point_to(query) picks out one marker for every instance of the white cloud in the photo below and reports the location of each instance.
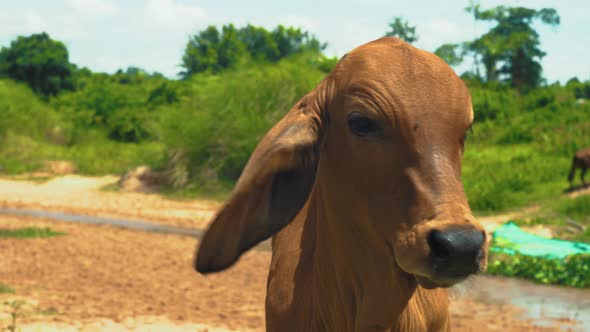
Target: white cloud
(33, 22)
(345, 33)
(28, 21)
(95, 7)
(172, 15)
(296, 21)
(435, 32)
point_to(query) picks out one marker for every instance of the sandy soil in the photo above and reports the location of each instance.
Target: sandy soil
(84, 195)
(104, 272)
(99, 278)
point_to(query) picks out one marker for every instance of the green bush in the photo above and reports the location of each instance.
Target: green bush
(165, 93)
(121, 104)
(202, 130)
(222, 117)
(22, 112)
(573, 271)
(492, 102)
(39, 61)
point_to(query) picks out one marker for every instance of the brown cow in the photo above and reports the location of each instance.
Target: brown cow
(582, 161)
(360, 187)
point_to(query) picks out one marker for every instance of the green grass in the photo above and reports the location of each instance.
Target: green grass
(28, 232)
(519, 154)
(100, 157)
(5, 289)
(515, 162)
(558, 213)
(33, 131)
(577, 208)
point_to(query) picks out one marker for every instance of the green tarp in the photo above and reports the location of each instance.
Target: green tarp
(511, 239)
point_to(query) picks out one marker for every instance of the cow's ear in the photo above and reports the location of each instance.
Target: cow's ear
(273, 187)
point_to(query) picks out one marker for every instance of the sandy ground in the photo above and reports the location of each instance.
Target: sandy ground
(84, 195)
(101, 278)
(105, 272)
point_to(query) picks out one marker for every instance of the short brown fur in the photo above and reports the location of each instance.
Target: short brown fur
(350, 216)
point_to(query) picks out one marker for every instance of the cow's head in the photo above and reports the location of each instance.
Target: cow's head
(383, 138)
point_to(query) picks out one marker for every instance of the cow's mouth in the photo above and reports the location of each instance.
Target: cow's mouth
(429, 283)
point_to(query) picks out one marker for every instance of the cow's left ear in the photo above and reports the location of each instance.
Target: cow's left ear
(273, 187)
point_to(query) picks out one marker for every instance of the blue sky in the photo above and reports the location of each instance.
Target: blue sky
(106, 35)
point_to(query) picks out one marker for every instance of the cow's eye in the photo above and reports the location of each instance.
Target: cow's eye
(362, 125)
(467, 133)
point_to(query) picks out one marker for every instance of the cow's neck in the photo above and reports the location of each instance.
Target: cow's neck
(354, 273)
(327, 275)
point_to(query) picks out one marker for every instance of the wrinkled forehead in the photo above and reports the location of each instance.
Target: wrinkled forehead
(412, 86)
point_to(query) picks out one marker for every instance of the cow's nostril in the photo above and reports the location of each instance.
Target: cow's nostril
(439, 245)
(456, 252)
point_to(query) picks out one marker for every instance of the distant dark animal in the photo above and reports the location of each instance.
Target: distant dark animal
(582, 161)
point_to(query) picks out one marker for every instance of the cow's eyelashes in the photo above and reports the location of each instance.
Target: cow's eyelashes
(463, 139)
(362, 125)
(468, 133)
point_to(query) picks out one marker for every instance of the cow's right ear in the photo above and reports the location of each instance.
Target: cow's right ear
(273, 187)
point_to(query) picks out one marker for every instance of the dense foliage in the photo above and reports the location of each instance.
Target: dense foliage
(122, 104)
(511, 48)
(510, 51)
(573, 271)
(222, 117)
(39, 61)
(206, 127)
(239, 81)
(212, 50)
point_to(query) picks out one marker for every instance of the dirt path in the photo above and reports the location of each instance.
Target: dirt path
(84, 196)
(103, 278)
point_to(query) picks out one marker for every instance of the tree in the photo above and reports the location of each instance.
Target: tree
(292, 41)
(260, 43)
(131, 75)
(401, 29)
(231, 49)
(213, 50)
(510, 51)
(41, 62)
(451, 53)
(201, 52)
